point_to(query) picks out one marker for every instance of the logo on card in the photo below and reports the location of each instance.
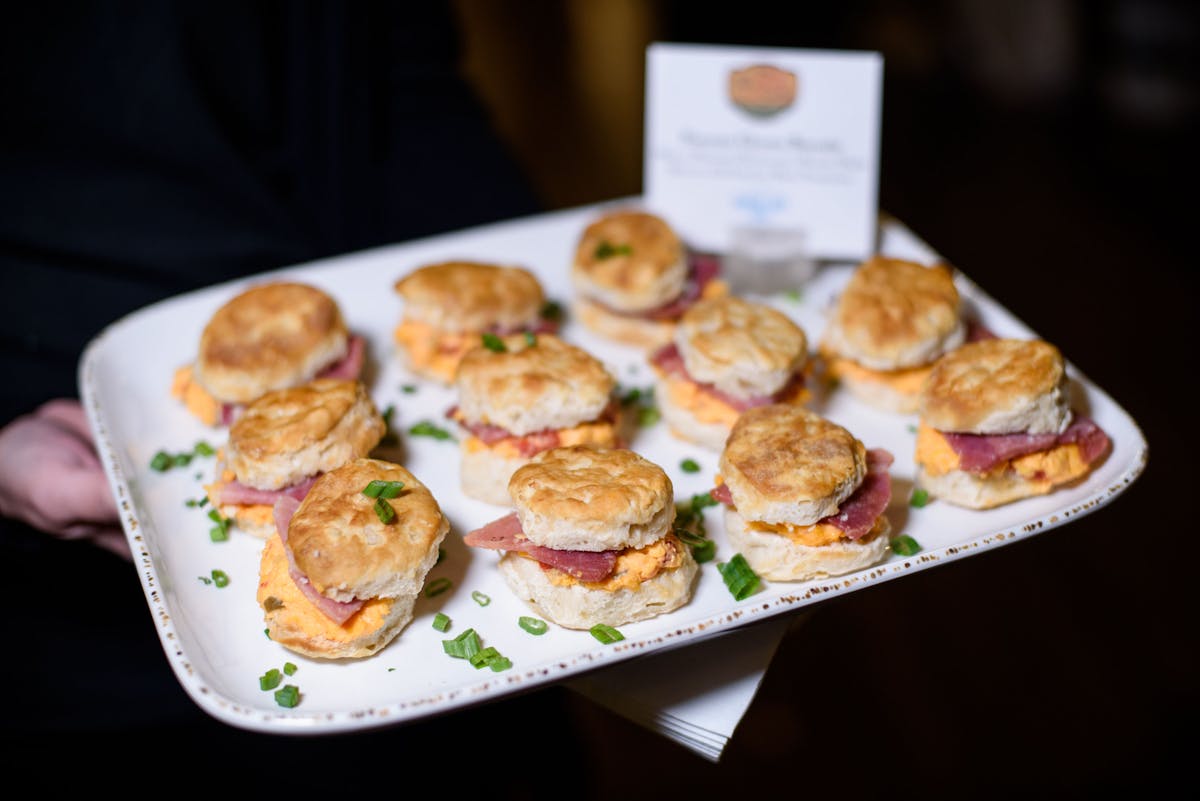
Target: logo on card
(762, 90)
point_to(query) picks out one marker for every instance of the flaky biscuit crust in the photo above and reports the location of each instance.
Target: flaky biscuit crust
(530, 387)
(271, 336)
(347, 552)
(894, 313)
(651, 273)
(998, 386)
(786, 464)
(290, 434)
(592, 499)
(460, 296)
(745, 349)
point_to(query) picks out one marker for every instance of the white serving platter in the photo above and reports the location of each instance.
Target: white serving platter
(213, 637)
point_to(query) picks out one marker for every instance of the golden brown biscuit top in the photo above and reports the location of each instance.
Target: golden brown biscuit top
(728, 331)
(589, 484)
(338, 539)
(269, 326)
(287, 420)
(527, 374)
(976, 381)
(472, 296)
(891, 306)
(788, 453)
(629, 250)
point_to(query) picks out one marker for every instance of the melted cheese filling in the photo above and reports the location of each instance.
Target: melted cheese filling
(634, 565)
(297, 620)
(245, 515)
(432, 350)
(602, 434)
(707, 408)
(184, 387)
(1056, 465)
(816, 535)
(904, 382)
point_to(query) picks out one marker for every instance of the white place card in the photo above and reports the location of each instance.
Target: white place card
(765, 145)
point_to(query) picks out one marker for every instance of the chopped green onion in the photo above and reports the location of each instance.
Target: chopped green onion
(606, 633)
(702, 500)
(161, 461)
(689, 466)
(904, 545)
(288, 696)
(648, 416)
(480, 598)
(191, 503)
(704, 551)
(218, 533)
(793, 295)
(383, 489)
(530, 338)
(441, 622)
(425, 428)
(500, 663)
(205, 579)
(200, 504)
(606, 250)
(204, 449)
(551, 310)
(464, 646)
(631, 397)
(409, 389)
(438, 586)
(741, 580)
(289, 668)
(220, 578)
(494, 343)
(919, 498)
(384, 511)
(481, 658)
(912, 429)
(533, 625)
(181, 460)
(270, 680)
(267, 632)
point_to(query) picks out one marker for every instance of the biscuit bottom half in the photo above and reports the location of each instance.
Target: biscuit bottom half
(778, 557)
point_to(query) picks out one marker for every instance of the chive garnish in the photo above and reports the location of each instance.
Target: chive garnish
(270, 680)
(689, 466)
(530, 338)
(904, 545)
(383, 489)
(606, 250)
(793, 295)
(551, 310)
(220, 578)
(267, 632)
(533, 625)
(494, 343)
(288, 696)
(438, 586)
(161, 461)
(204, 449)
(289, 668)
(741, 580)
(219, 532)
(483, 657)
(426, 428)
(648, 416)
(205, 579)
(704, 551)
(480, 598)
(702, 500)
(919, 498)
(606, 633)
(441, 622)
(500, 663)
(384, 511)
(912, 429)
(464, 646)
(409, 389)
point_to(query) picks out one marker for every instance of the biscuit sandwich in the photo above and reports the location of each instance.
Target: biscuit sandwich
(591, 539)
(633, 278)
(284, 441)
(892, 320)
(803, 497)
(521, 395)
(728, 355)
(340, 576)
(996, 425)
(271, 336)
(448, 305)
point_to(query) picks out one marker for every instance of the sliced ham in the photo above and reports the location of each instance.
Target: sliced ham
(336, 611)
(349, 366)
(668, 359)
(980, 453)
(526, 444)
(230, 412)
(239, 493)
(858, 513)
(505, 534)
(977, 332)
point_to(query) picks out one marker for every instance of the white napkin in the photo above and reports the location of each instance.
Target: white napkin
(697, 708)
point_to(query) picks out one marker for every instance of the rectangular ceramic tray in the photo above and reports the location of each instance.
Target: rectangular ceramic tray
(214, 637)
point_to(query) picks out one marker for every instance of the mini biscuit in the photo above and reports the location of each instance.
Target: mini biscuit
(777, 557)
(998, 386)
(894, 314)
(592, 499)
(463, 296)
(744, 349)
(639, 332)
(271, 336)
(631, 261)
(290, 434)
(786, 464)
(340, 543)
(532, 387)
